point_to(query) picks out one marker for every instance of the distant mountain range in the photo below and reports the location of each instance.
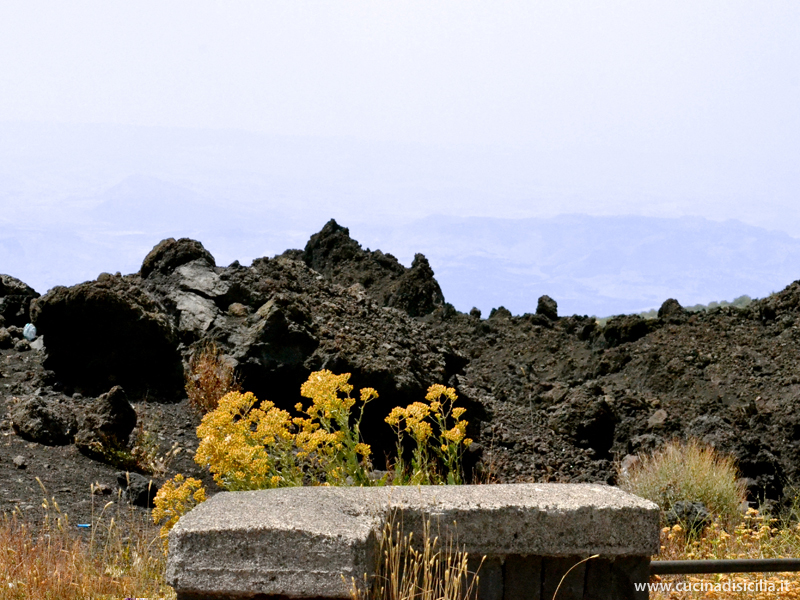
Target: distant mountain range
(590, 265)
(594, 265)
(79, 200)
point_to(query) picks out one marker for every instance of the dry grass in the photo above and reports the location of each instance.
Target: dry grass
(690, 472)
(694, 472)
(209, 378)
(429, 570)
(121, 558)
(756, 536)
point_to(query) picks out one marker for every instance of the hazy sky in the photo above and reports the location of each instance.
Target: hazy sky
(659, 108)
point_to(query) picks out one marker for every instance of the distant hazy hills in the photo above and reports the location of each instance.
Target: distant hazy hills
(590, 265)
(76, 200)
(594, 265)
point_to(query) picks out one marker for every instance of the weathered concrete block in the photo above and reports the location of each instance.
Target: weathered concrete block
(299, 542)
(276, 542)
(533, 519)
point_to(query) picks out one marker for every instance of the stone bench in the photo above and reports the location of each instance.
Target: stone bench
(300, 542)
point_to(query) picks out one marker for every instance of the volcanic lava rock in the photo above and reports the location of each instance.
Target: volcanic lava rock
(137, 489)
(548, 398)
(109, 332)
(416, 291)
(547, 307)
(170, 254)
(6, 341)
(501, 312)
(44, 420)
(15, 301)
(337, 256)
(588, 420)
(671, 309)
(107, 422)
(626, 329)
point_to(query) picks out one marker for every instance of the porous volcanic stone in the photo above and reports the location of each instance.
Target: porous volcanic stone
(138, 489)
(44, 421)
(170, 254)
(15, 301)
(108, 421)
(547, 307)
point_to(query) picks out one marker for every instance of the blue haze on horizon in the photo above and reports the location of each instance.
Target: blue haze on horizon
(609, 155)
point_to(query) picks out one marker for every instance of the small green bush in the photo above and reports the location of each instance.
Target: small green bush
(690, 472)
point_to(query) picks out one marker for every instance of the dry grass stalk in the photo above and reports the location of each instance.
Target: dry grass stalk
(48, 561)
(209, 378)
(425, 571)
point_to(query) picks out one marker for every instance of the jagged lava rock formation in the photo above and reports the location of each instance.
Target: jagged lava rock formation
(549, 398)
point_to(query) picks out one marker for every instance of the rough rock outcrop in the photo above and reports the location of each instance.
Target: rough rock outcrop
(336, 255)
(276, 321)
(549, 398)
(15, 301)
(547, 307)
(170, 254)
(626, 329)
(672, 311)
(109, 332)
(44, 420)
(106, 423)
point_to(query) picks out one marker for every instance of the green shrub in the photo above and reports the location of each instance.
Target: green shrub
(689, 472)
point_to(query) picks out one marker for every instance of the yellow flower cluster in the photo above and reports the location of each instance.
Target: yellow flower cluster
(248, 445)
(175, 498)
(325, 388)
(436, 425)
(247, 448)
(330, 445)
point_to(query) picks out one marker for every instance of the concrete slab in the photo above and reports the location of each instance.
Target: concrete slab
(299, 542)
(274, 542)
(534, 519)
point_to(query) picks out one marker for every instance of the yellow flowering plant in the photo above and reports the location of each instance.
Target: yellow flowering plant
(436, 426)
(331, 447)
(174, 499)
(247, 445)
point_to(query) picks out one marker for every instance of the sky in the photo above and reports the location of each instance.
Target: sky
(508, 109)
